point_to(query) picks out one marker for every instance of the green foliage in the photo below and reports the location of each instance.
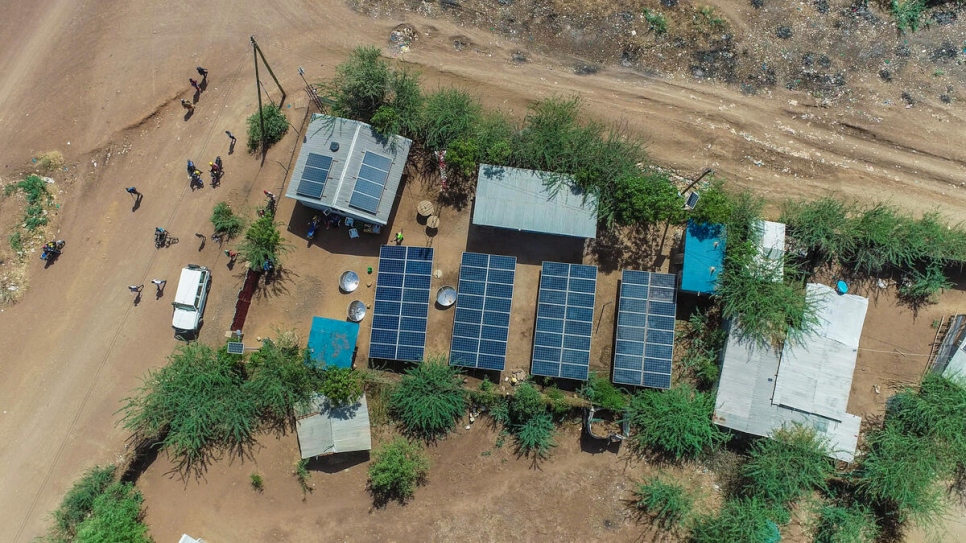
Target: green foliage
(820, 226)
(924, 285)
(703, 340)
(34, 189)
(429, 399)
(276, 126)
(397, 468)
(706, 18)
(783, 468)
(225, 222)
(450, 115)
(258, 484)
(192, 406)
(746, 520)
(263, 242)
(50, 160)
(462, 157)
(494, 137)
(279, 381)
(303, 475)
(525, 404)
(908, 13)
(853, 523)
(361, 84)
(525, 416)
(655, 21)
(644, 198)
(535, 436)
(935, 413)
(16, 241)
(79, 501)
(115, 517)
(599, 391)
(674, 422)
(558, 402)
(38, 198)
(667, 503)
(714, 206)
(342, 386)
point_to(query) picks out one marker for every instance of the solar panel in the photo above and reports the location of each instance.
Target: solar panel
(692, 200)
(565, 315)
(314, 174)
(481, 324)
(401, 309)
(371, 182)
(236, 347)
(644, 346)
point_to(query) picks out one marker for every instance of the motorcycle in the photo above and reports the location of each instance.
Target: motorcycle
(52, 250)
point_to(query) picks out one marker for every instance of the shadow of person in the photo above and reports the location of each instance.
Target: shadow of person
(204, 83)
(160, 293)
(231, 147)
(196, 97)
(137, 299)
(188, 114)
(137, 203)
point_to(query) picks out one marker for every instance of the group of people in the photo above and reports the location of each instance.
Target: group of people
(188, 104)
(216, 169)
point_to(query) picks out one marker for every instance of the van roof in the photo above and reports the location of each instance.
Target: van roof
(188, 285)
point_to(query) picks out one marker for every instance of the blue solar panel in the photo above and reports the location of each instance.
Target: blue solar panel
(370, 183)
(400, 311)
(314, 174)
(565, 315)
(482, 319)
(644, 346)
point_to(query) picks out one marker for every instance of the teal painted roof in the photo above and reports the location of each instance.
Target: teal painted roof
(332, 343)
(704, 251)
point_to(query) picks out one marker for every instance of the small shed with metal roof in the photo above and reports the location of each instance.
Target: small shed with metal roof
(325, 429)
(347, 167)
(704, 252)
(533, 201)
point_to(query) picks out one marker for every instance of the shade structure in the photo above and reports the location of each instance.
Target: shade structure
(356, 311)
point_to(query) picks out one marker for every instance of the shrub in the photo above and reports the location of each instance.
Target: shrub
(558, 401)
(429, 399)
(193, 405)
(820, 226)
(279, 381)
(115, 516)
(854, 523)
(740, 521)
(703, 340)
(450, 115)
(655, 21)
(303, 475)
(494, 137)
(397, 468)
(224, 220)
(601, 392)
(643, 199)
(923, 285)
(667, 504)
(714, 206)
(674, 422)
(16, 241)
(535, 436)
(783, 468)
(361, 83)
(342, 386)
(276, 126)
(908, 13)
(79, 501)
(263, 242)
(51, 160)
(462, 157)
(258, 484)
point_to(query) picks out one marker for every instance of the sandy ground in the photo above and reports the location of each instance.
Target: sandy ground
(101, 83)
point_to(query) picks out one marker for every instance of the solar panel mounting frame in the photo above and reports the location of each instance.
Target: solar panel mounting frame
(563, 331)
(644, 343)
(482, 317)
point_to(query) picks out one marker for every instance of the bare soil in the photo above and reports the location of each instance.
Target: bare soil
(101, 82)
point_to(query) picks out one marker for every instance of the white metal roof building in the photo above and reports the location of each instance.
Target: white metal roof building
(532, 201)
(809, 383)
(771, 247)
(323, 429)
(348, 167)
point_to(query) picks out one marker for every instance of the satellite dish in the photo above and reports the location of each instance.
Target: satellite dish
(356, 311)
(349, 281)
(446, 296)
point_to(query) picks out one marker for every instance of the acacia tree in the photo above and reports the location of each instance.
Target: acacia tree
(263, 242)
(397, 468)
(674, 422)
(429, 399)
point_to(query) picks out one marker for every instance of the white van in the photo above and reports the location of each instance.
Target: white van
(189, 301)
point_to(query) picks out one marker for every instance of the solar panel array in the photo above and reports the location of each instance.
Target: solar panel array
(402, 303)
(565, 315)
(482, 322)
(371, 182)
(645, 329)
(314, 174)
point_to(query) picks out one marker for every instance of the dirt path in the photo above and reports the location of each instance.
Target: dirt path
(107, 79)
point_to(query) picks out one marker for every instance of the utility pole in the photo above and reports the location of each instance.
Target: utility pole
(313, 95)
(257, 52)
(695, 182)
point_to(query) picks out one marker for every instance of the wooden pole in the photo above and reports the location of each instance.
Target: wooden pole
(258, 91)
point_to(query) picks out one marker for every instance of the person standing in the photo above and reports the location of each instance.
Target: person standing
(195, 85)
(399, 238)
(216, 170)
(133, 191)
(202, 72)
(187, 105)
(136, 288)
(232, 136)
(159, 283)
(191, 167)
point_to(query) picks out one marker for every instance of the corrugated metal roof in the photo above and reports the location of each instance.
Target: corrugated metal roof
(533, 201)
(329, 430)
(809, 383)
(956, 368)
(704, 252)
(354, 139)
(332, 342)
(771, 247)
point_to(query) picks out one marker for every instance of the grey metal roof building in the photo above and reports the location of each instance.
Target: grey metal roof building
(526, 200)
(323, 429)
(348, 167)
(808, 383)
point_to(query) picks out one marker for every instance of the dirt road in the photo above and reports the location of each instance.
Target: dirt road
(101, 82)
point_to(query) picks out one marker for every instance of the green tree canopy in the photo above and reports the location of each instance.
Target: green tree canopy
(429, 399)
(674, 422)
(397, 468)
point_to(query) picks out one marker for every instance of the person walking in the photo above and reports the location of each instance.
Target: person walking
(202, 72)
(195, 85)
(159, 283)
(232, 136)
(399, 238)
(133, 191)
(232, 255)
(187, 105)
(191, 167)
(136, 288)
(216, 170)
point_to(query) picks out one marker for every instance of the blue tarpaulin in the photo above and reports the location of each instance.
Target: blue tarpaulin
(332, 343)
(704, 251)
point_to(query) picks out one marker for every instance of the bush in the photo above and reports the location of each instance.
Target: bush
(429, 399)
(303, 475)
(224, 220)
(643, 199)
(115, 517)
(602, 393)
(494, 137)
(714, 206)
(276, 126)
(535, 436)
(342, 386)
(397, 468)
(462, 157)
(908, 13)
(655, 21)
(263, 242)
(703, 340)
(739, 521)
(258, 484)
(674, 422)
(846, 524)
(193, 405)
(16, 241)
(820, 226)
(51, 160)
(450, 115)
(279, 381)
(79, 501)
(783, 468)
(667, 504)
(361, 83)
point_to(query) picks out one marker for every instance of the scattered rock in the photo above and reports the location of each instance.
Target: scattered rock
(783, 32)
(903, 51)
(669, 3)
(808, 59)
(944, 98)
(885, 75)
(519, 57)
(822, 6)
(907, 98)
(946, 51)
(757, 4)
(586, 69)
(943, 18)
(824, 61)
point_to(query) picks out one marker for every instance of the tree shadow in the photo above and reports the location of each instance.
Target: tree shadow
(619, 247)
(276, 283)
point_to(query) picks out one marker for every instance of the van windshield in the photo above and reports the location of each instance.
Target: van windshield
(185, 307)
